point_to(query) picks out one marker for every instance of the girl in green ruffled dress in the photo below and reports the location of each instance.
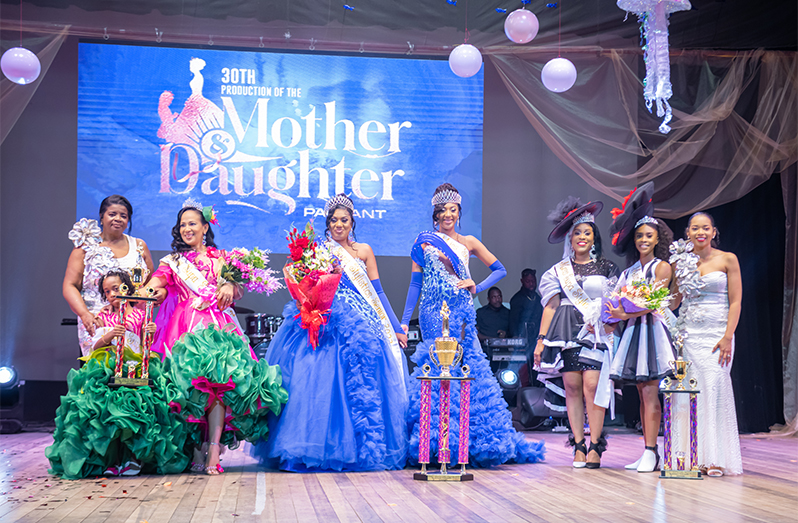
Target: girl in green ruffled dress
(121, 431)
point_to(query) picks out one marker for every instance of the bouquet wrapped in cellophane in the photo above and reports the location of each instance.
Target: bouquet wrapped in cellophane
(250, 268)
(637, 296)
(312, 276)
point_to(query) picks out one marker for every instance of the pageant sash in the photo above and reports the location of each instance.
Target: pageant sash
(440, 242)
(188, 273)
(590, 309)
(359, 278)
(591, 312)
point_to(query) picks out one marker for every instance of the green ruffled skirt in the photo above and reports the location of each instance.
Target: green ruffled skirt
(212, 363)
(97, 427)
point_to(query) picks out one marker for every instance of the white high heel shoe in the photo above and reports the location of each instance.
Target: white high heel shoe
(649, 462)
(633, 466)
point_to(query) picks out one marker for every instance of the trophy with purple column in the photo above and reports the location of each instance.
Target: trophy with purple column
(678, 468)
(445, 354)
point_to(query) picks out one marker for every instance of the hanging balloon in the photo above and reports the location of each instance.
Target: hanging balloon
(465, 60)
(521, 26)
(20, 65)
(558, 75)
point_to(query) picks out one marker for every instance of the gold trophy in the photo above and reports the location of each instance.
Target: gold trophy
(446, 352)
(679, 367)
(118, 380)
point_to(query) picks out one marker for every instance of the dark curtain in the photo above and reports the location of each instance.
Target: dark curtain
(753, 228)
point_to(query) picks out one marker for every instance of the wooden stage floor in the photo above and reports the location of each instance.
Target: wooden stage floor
(551, 491)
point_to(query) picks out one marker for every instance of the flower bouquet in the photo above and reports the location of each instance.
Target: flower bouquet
(250, 269)
(312, 276)
(637, 296)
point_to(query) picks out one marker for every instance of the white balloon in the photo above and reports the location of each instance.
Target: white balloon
(465, 60)
(558, 75)
(20, 65)
(521, 26)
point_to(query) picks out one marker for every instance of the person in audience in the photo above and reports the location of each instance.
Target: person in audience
(493, 320)
(525, 309)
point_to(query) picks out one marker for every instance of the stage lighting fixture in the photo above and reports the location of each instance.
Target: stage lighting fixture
(508, 379)
(509, 383)
(8, 376)
(10, 404)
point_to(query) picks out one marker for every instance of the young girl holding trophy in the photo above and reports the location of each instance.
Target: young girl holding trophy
(101, 429)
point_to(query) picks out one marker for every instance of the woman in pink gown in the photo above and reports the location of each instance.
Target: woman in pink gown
(228, 392)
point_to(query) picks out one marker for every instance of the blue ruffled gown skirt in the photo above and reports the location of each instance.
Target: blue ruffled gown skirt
(346, 402)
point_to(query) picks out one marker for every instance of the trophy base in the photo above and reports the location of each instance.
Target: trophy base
(437, 476)
(116, 382)
(681, 474)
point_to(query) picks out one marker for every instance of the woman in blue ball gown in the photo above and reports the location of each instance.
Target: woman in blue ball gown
(347, 399)
(440, 273)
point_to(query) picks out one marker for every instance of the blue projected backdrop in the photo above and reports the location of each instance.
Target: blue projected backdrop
(268, 137)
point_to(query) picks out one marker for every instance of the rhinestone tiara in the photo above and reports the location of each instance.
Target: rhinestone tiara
(191, 203)
(339, 199)
(585, 217)
(447, 196)
(646, 219)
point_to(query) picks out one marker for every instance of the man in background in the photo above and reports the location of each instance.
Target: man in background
(493, 320)
(525, 309)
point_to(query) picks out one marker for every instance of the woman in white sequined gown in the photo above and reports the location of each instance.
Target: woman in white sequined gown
(97, 251)
(710, 319)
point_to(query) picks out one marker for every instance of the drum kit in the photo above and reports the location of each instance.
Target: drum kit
(261, 328)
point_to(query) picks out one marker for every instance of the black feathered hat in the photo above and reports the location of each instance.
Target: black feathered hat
(567, 212)
(635, 206)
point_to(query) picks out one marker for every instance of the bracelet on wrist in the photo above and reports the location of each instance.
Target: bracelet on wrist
(541, 337)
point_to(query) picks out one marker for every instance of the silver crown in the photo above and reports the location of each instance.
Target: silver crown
(191, 203)
(585, 217)
(339, 199)
(646, 219)
(447, 196)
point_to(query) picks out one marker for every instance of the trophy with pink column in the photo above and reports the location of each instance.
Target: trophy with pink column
(129, 379)
(445, 353)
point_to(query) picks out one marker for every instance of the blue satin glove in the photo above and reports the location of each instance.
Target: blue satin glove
(397, 327)
(498, 272)
(413, 292)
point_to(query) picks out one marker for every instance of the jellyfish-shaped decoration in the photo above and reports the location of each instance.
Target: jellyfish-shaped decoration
(653, 16)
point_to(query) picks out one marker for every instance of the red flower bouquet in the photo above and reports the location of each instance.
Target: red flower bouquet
(312, 276)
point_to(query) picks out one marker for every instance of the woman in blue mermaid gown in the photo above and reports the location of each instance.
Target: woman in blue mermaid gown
(440, 273)
(347, 399)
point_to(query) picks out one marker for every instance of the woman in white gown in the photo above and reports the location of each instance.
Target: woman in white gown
(709, 316)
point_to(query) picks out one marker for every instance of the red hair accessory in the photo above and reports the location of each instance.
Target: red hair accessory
(615, 237)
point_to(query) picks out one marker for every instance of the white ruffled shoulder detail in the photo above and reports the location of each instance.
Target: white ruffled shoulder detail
(85, 233)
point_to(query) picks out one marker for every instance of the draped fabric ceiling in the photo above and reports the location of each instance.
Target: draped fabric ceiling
(734, 72)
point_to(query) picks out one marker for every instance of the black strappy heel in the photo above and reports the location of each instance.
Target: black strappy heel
(578, 447)
(599, 447)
